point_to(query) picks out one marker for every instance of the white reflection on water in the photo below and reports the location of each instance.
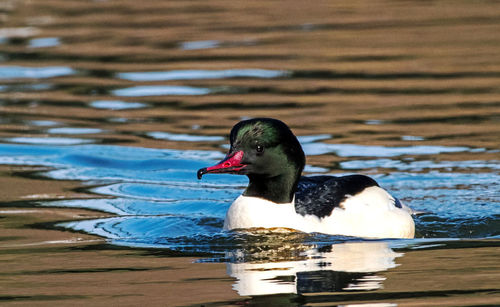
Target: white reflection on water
(116, 105)
(412, 138)
(197, 74)
(42, 123)
(374, 122)
(74, 130)
(343, 267)
(160, 90)
(194, 45)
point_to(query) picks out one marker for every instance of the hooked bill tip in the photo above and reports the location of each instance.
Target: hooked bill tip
(201, 171)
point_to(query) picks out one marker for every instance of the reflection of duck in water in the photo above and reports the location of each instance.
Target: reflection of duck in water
(277, 196)
(340, 267)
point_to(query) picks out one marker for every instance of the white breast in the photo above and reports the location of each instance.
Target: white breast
(369, 214)
(254, 212)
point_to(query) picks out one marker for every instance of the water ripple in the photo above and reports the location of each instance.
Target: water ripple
(194, 45)
(183, 137)
(160, 203)
(117, 105)
(22, 72)
(44, 42)
(74, 130)
(160, 90)
(353, 150)
(200, 74)
(48, 140)
(420, 165)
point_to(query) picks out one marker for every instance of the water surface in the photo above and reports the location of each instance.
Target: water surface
(117, 111)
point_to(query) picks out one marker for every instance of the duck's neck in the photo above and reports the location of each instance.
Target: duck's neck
(278, 189)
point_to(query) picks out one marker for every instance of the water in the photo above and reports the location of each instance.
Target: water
(160, 203)
(128, 109)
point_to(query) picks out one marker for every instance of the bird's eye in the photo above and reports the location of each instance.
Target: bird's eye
(259, 148)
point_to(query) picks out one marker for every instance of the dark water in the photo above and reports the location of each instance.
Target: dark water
(132, 107)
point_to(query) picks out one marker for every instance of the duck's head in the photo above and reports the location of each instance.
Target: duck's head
(265, 150)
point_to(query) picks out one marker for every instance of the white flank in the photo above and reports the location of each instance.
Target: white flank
(369, 214)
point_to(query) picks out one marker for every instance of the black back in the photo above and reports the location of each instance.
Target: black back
(319, 195)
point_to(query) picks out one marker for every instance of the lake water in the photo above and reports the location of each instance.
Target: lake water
(114, 105)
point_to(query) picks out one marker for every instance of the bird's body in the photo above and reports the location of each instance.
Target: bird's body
(278, 197)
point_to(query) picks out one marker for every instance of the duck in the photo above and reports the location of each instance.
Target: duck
(279, 198)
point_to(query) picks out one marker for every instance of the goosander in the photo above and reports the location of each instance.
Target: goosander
(278, 197)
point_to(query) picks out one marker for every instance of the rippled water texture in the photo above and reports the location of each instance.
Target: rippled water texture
(129, 100)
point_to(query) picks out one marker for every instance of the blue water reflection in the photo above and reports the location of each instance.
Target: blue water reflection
(44, 42)
(22, 72)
